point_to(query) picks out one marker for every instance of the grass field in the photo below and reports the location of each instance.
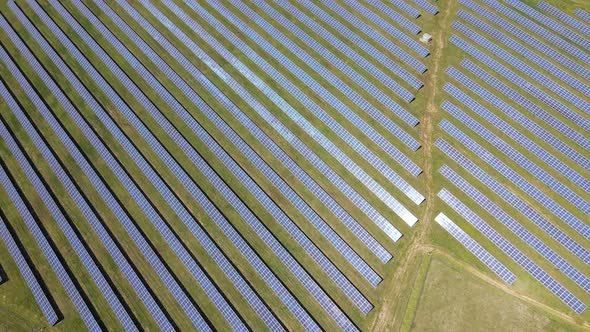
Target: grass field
(431, 284)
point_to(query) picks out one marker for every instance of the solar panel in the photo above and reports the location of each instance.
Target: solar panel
(521, 119)
(322, 167)
(382, 23)
(529, 39)
(535, 75)
(563, 17)
(55, 262)
(517, 203)
(547, 35)
(546, 65)
(413, 12)
(25, 271)
(306, 58)
(518, 180)
(547, 21)
(301, 121)
(57, 213)
(362, 43)
(475, 248)
(395, 16)
(584, 15)
(311, 216)
(518, 80)
(508, 248)
(426, 6)
(375, 35)
(515, 155)
(533, 109)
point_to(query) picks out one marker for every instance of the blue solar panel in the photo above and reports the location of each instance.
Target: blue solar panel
(342, 46)
(572, 22)
(548, 66)
(364, 10)
(362, 43)
(475, 248)
(508, 248)
(529, 39)
(25, 270)
(526, 143)
(533, 109)
(549, 22)
(524, 84)
(584, 15)
(413, 12)
(300, 120)
(56, 265)
(519, 181)
(333, 59)
(377, 115)
(521, 119)
(342, 185)
(545, 34)
(55, 210)
(395, 16)
(518, 203)
(375, 35)
(426, 6)
(338, 243)
(535, 75)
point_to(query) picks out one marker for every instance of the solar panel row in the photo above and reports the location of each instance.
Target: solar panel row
(376, 36)
(584, 15)
(426, 6)
(249, 217)
(333, 59)
(88, 212)
(529, 145)
(188, 260)
(381, 193)
(518, 80)
(395, 16)
(55, 262)
(343, 47)
(533, 109)
(295, 169)
(508, 248)
(534, 74)
(529, 39)
(475, 248)
(518, 180)
(361, 42)
(547, 21)
(518, 203)
(521, 119)
(548, 66)
(25, 270)
(56, 212)
(358, 200)
(413, 12)
(545, 34)
(382, 23)
(376, 114)
(560, 15)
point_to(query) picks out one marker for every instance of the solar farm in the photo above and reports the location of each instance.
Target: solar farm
(283, 165)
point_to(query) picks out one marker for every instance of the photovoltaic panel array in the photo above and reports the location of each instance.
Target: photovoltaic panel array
(475, 248)
(529, 39)
(405, 7)
(520, 118)
(582, 14)
(518, 203)
(377, 189)
(562, 16)
(427, 6)
(395, 16)
(25, 270)
(511, 175)
(512, 251)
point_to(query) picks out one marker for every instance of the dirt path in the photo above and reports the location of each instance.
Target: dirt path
(387, 316)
